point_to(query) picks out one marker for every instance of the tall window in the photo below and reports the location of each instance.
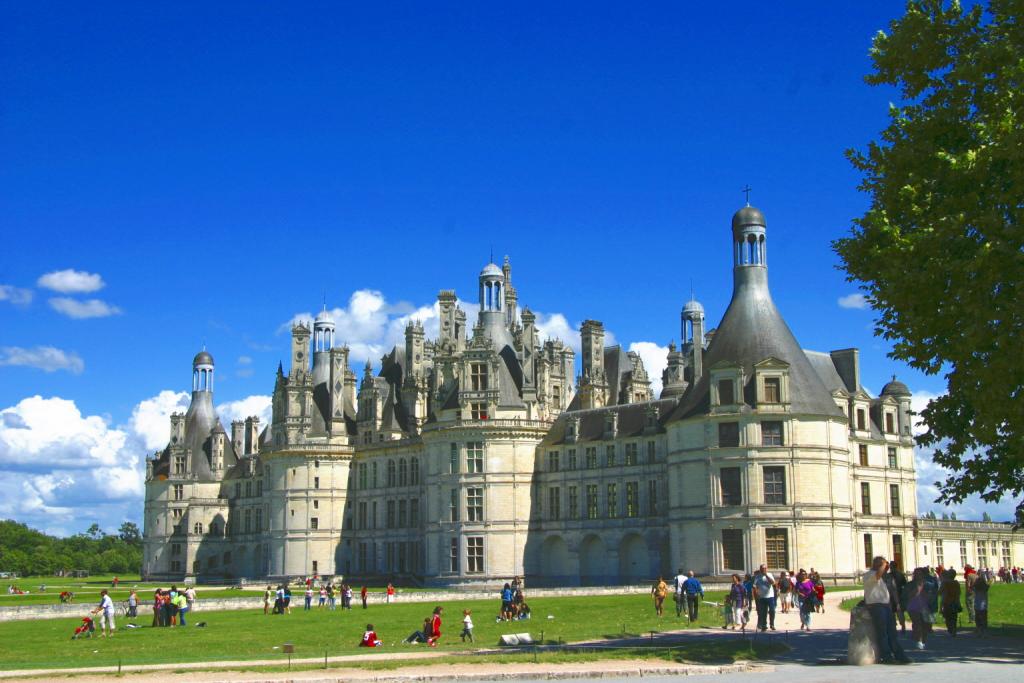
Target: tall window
(613, 500)
(374, 479)
(389, 520)
(609, 455)
(475, 457)
(478, 411)
(403, 473)
(939, 553)
(478, 376)
(414, 471)
(554, 503)
(631, 449)
(453, 462)
(861, 419)
(179, 464)
(728, 434)
(475, 504)
(732, 550)
(894, 499)
(890, 427)
(1007, 556)
(771, 433)
(314, 523)
(259, 519)
(897, 550)
(981, 553)
(862, 450)
(475, 555)
(403, 513)
(391, 473)
(248, 520)
(772, 390)
(178, 491)
(414, 513)
(893, 463)
(652, 498)
(775, 485)
(553, 461)
(632, 499)
(591, 457)
(869, 550)
(591, 501)
(775, 548)
(316, 482)
(865, 497)
(573, 503)
(726, 392)
(361, 516)
(453, 505)
(453, 556)
(572, 458)
(963, 553)
(652, 452)
(732, 492)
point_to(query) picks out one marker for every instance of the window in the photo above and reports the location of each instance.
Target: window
(771, 433)
(963, 553)
(391, 473)
(869, 551)
(361, 516)
(631, 449)
(175, 549)
(248, 521)
(1007, 556)
(414, 471)
(591, 501)
(478, 411)
(612, 500)
(478, 376)
(259, 519)
(609, 455)
(865, 497)
(475, 504)
(475, 457)
(178, 492)
(316, 482)
(632, 499)
(316, 504)
(259, 487)
(363, 555)
(889, 424)
(590, 458)
(572, 458)
(894, 499)
(554, 503)
(453, 505)
(403, 473)
(573, 503)
(897, 550)
(389, 519)
(861, 420)
(475, 555)
(981, 553)
(732, 550)
(414, 513)
(893, 463)
(362, 475)
(652, 452)
(652, 498)
(939, 553)
(776, 548)
(176, 514)
(453, 462)
(732, 492)
(179, 466)
(403, 513)
(553, 461)
(863, 452)
(175, 565)
(772, 390)
(314, 523)
(775, 485)
(197, 528)
(373, 515)
(248, 489)
(453, 556)
(726, 392)
(728, 434)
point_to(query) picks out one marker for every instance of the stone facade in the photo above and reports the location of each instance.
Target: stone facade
(481, 455)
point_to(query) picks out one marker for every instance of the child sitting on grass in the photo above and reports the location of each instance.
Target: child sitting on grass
(370, 638)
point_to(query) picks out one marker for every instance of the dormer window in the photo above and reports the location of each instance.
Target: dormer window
(861, 419)
(478, 376)
(773, 390)
(726, 392)
(890, 424)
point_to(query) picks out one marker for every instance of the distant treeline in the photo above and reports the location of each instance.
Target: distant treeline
(27, 551)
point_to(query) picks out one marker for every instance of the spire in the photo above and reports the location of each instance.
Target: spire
(746, 192)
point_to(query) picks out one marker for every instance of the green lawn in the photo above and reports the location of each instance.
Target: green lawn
(1005, 610)
(248, 634)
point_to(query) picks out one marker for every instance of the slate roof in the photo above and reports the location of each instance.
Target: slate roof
(632, 420)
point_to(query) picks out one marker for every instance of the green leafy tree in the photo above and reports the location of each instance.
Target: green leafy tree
(129, 533)
(940, 251)
(94, 531)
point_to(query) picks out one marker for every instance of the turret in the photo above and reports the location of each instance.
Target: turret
(693, 337)
(323, 342)
(593, 382)
(217, 443)
(202, 372)
(492, 306)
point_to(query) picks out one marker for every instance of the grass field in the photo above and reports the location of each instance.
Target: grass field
(248, 634)
(1005, 611)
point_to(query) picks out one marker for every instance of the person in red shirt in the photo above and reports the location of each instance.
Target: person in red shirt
(362, 596)
(370, 638)
(435, 627)
(390, 594)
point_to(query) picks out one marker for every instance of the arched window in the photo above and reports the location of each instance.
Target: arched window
(414, 471)
(403, 473)
(391, 472)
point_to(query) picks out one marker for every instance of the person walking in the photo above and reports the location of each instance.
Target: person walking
(786, 584)
(970, 577)
(950, 596)
(191, 597)
(737, 600)
(919, 607)
(659, 592)
(467, 625)
(680, 592)
(980, 599)
(764, 594)
(362, 596)
(106, 611)
(435, 627)
(694, 594)
(808, 597)
(876, 597)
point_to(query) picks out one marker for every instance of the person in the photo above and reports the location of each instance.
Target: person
(106, 611)
(181, 606)
(899, 583)
(165, 609)
(114, 582)
(659, 592)
(419, 636)
(287, 599)
(133, 604)
(347, 597)
(435, 626)
(332, 597)
(172, 605)
(362, 596)
(764, 595)
(919, 608)
(467, 625)
(309, 598)
(694, 594)
(951, 607)
(894, 594)
(785, 591)
(980, 598)
(506, 603)
(191, 596)
(390, 598)
(876, 597)
(266, 599)
(805, 589)
(737, 601)
(970, 577)
(678, 581)
(323, 596)
(157, 603)
(370, 638)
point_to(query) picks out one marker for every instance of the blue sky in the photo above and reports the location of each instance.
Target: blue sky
(209, 172)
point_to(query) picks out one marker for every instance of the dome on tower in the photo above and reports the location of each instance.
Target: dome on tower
(491, 269)
(202, 358)
(324, 317)
(896, 388)
(693, 307)
(748, 215)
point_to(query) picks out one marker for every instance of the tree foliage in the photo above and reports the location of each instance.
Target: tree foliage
(940, 251)
(27, 551)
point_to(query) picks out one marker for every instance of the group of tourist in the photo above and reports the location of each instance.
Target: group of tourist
(513, 602)
(430, 632)
(170, 606)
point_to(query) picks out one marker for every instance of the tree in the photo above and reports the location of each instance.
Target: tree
(129, 533)
(94, 531)
(985, 517)
(940, 251)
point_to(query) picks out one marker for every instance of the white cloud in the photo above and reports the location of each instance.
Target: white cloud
(71, 281)
(855, 300)
(16, 295)
(46, 358)
(245, 360)
(150, 419)
(258, 405)
(655, 360)
(90, 308)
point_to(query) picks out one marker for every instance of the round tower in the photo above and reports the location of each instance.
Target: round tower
(323, 342)
(748, 232)
(202, 372)
(492, 286)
